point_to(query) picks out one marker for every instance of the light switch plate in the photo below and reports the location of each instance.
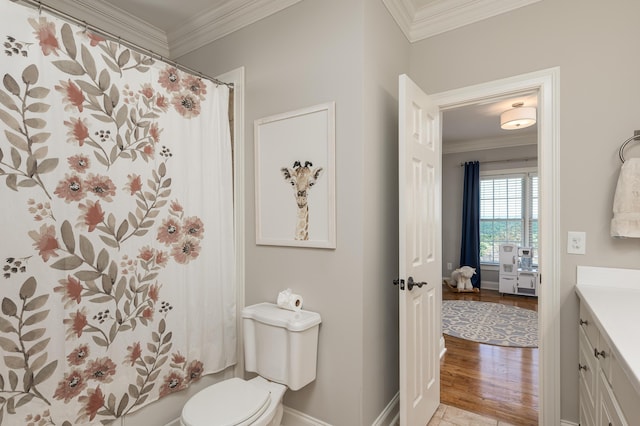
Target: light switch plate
(577, 242)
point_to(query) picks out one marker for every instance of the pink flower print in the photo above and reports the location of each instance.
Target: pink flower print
(162, 103)
(162, 258)
(154, 132)
(70, 386)
(172, 382)
(78, 355)
(45, 31)
(78, 130)
(101, 186)
(193, 227)
(95, 39)
(92, 214)
(196, 86)
(79, 163)
(73, 96)
(70, 189)
(129, 96)
(148, 149)
(45, 241)
(135, 184)
(187, 250)
(93, 402)
(187, 104)
(178, 359)
(176, 207)
(134, 353)
(169, 232)
(194, 371)
(147, 314)
(39, 210)
(128, 265)
(154, 292)
(71, 290)
(170, 79)
(146, 253)
(101, 369)
(77, 321)
(147, 91)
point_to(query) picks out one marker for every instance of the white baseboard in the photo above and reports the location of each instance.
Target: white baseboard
(490, 285)
(390, 416)
(443, 349)
(292, 417)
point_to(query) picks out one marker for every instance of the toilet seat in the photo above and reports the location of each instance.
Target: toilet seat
(232, 402)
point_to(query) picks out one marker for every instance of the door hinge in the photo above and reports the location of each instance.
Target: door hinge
(400, 282)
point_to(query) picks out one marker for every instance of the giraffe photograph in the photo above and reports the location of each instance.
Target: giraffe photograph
(295, 178)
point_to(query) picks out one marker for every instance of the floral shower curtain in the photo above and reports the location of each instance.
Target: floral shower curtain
(116, 221)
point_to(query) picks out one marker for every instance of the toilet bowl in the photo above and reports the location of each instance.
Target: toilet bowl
(281, 346)
(236, 402)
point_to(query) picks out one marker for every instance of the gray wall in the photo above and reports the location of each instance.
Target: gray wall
(386, 57)
(319, 51)
(452, 189)
(350, 52)
(595, 46)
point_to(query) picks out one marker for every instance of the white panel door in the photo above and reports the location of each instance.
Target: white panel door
(420, 289)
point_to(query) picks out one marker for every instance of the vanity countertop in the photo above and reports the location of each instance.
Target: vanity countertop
(613, 297)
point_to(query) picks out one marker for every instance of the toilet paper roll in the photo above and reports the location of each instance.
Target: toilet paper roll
(288, 300)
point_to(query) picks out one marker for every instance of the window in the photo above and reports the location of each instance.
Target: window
(508, 213)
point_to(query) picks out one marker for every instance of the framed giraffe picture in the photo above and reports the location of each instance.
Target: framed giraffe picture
(295, 178)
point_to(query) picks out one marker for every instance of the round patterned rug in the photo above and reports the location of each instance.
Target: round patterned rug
(490, 323)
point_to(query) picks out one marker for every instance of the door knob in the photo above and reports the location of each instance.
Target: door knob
(411, 283)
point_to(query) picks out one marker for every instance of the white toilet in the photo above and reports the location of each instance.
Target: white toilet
(282, 347)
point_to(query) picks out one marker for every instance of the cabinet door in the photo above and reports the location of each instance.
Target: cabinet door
(508, 284)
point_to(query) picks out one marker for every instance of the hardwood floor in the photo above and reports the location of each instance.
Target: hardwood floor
(494, 381)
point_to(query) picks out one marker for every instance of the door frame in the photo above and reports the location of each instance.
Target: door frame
(547, 84)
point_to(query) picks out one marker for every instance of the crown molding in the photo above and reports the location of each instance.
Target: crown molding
(220, 21)
(440, 16)
(490, 143)
(115, 21)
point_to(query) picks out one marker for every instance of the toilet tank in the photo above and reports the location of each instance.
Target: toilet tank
(281, 345)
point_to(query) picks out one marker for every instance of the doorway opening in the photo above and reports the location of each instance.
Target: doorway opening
(494, 381)
(545, 84)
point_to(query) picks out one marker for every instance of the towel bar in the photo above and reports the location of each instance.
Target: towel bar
(636, 135)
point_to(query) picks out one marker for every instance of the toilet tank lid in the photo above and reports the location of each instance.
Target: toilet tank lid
(270, 313)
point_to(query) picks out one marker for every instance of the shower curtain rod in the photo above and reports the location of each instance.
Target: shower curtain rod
(59, 13)
(513, 160)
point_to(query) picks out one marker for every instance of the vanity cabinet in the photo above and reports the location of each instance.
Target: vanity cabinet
(607, 397)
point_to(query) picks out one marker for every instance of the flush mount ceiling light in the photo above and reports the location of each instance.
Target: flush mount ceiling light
(518, 118)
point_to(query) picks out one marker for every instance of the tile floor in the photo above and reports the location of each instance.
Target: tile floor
(447, 415)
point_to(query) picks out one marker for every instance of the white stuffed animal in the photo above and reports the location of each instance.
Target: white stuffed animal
(462, 277)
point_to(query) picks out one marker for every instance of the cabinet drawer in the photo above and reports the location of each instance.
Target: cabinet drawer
(587, 412)
(605, 356)
(610, 412)
(588, 325)
(588, 371)
(624, 392)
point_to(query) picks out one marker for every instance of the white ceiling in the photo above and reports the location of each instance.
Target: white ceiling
(173, 28)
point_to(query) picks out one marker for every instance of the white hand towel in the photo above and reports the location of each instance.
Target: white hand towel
(626, 202)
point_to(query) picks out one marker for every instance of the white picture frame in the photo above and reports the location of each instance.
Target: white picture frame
(293, 150)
